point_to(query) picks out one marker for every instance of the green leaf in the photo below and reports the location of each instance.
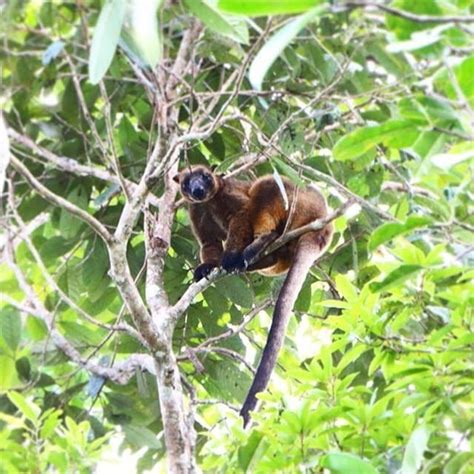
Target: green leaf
(141, 25)
(27, 408)
(105, 39)
(140, 437)
(10, 327)
(236, 291)
(393, 133)
(416, 446)
(343, 463)
(247, 452)
(95, 266)
(264, 7)
(216, 21)
(226, 380)
(7, 373)
(388, 231)
(395, 278)
(346, 288)
(456, 464)
(69, 225)
(444, 81)
(288, 171)
(276, 44)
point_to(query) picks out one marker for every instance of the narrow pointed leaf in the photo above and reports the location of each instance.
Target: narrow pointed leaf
(276, 44)
(105, 39)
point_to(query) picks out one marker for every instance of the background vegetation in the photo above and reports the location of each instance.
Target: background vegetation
(374, 102)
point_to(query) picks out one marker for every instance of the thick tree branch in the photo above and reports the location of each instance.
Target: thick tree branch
(120, 272)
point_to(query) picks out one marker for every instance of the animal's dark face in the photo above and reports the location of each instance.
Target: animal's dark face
(197, 184)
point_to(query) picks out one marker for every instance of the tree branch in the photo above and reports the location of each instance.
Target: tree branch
(59, 201)
(347, 192)
(120, 373)
(54, 286)
(72, 166)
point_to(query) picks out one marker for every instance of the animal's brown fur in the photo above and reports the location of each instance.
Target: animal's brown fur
(247, 217)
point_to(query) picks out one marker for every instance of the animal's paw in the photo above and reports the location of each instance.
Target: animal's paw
(203, 270)
(233, 261)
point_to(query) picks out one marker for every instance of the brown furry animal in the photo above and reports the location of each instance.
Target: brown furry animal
(235, 221)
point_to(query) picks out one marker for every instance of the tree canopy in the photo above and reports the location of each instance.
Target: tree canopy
(103, 102)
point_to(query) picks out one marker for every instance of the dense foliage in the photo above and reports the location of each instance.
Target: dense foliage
(376, 374)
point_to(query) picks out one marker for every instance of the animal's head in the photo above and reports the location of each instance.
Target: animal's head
(197, 183)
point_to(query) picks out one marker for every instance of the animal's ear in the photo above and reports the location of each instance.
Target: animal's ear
(176, 178)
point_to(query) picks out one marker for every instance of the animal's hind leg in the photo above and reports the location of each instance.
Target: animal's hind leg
(253, 250)
(264, 262)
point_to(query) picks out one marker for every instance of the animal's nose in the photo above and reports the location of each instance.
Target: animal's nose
(198, 193)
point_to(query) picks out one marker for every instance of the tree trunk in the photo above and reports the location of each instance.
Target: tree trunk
(179, 435)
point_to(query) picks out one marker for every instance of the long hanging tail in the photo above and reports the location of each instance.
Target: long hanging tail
(309, 247)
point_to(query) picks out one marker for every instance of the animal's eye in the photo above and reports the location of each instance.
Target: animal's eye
(207, 178)
(185, 184)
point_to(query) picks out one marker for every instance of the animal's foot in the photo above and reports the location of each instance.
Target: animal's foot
(203, 270)
(233, 261)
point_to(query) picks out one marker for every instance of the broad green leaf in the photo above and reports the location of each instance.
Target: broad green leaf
(388, 231)
(141, 26)
(10, 327)
(427, 110)
(415, 448)
(344, 463)
(139, 436)
(105, 38)
(226, 380)
(276, 44)
(393, 133)
(95, 266)
(7, 373)
(459, 83)
(215, 20)
(395, 278)
(457, 463)
(69, 225)
(12, 421)
(264, 7)
(27, 408)
(247, 452)
(51, 420)
(23, 368)
(346, 288)
(236, 291)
